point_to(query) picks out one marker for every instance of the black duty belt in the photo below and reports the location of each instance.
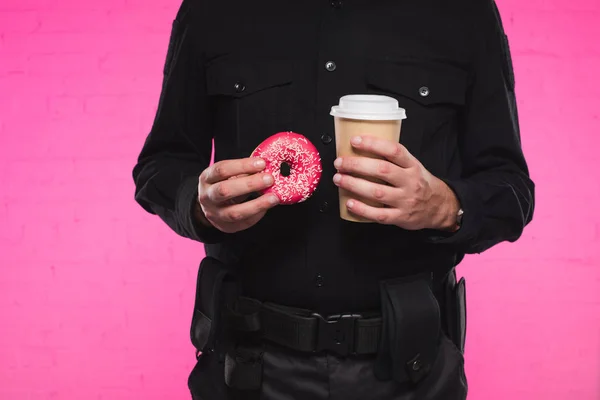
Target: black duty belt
(305, 331)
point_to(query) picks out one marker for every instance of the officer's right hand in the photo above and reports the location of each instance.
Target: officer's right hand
(224, 188)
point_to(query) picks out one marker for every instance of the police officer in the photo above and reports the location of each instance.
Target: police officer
(292, 301)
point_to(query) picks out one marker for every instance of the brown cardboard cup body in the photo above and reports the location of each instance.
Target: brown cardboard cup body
(345, 130)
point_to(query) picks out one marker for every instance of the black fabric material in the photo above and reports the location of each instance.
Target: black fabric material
(243, 315)
(282, 325)
(287, 374)
(215, 287)
(207, 380)
(243, 368)
(412, 328)
(303, 330)
(290, 375)
(465, 132)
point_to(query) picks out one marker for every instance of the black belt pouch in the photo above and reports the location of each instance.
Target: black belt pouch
(411, 330)
(216, 292)
(215, 286)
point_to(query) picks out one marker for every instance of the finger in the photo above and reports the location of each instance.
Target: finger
(224, 191)
(363, 188)
(232, 227)
(383, 216)
(253, 220)
(229, 227)
(239, 199)
(227, 169)
(238, 176)
(389, 150)
(371, 167)
(236, 200)
(248, 210)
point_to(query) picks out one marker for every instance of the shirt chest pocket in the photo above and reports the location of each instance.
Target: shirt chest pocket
(250, 101)
(434, 97)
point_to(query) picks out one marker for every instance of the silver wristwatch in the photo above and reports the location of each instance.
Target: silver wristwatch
(459, 217)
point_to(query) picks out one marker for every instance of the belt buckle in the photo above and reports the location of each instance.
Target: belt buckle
(336, 333)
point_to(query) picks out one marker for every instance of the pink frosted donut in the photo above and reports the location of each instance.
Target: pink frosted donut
(294, 163)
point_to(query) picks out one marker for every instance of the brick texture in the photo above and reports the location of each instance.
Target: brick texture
(96, 295)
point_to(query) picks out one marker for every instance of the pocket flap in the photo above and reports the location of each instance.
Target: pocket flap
(244, 368)
(426, 84)
(241, 78)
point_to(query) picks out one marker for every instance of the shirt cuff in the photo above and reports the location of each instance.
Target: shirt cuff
(194, 229)
(466, 235)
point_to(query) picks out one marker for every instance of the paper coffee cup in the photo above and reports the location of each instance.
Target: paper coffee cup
(364, 115)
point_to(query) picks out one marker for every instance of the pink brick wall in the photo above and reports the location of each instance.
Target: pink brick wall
(95, 295)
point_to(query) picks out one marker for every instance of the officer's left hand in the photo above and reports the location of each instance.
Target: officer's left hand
(415, 199)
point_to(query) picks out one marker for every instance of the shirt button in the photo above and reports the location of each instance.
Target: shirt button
(416, 365)
(424, 91)
(319, 280)
(239, 87)
(324, 207)
(337, 3)
(330, 66)
(326, 139)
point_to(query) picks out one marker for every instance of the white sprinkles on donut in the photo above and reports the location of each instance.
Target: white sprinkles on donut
(304, 161)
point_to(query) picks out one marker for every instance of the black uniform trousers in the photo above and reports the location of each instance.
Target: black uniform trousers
(289, 375)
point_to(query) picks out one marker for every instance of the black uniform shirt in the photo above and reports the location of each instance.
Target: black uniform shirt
(239, 71)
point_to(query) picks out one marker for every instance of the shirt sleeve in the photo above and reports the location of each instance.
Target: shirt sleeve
(179, 145)
(494, 189)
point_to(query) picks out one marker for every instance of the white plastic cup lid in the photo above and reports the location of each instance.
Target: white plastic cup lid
(369, 107)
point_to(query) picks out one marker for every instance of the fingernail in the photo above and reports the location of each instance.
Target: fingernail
(267, 179)
(337, 178)
(259, 163)
(350, 203)
(273, 199)
(356, 140)
(337, 163)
